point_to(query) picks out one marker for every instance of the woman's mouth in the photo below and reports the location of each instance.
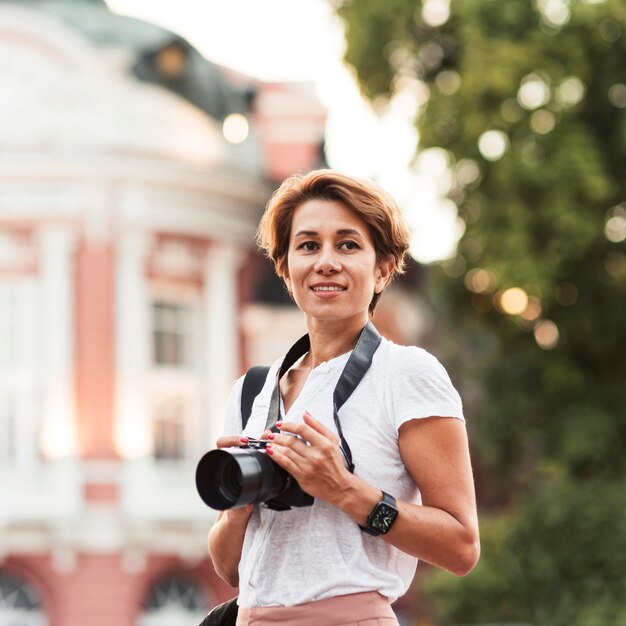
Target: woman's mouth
(327, 288)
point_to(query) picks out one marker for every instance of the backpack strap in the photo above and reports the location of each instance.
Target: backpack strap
(252, 385)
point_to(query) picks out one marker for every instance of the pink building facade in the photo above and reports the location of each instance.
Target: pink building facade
(126, 263)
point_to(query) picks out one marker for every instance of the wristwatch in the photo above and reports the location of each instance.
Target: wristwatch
(382, 517)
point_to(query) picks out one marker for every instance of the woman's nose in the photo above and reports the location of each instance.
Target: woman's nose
(327, 262)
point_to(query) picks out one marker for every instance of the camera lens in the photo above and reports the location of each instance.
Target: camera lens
(233, 477)
(230, 481)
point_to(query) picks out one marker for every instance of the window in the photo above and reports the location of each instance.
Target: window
(171, 334)
(19, 603)
(174, 601)
(169, 430)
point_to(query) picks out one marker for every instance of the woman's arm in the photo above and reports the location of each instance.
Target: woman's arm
(443, 530)
(227, 534)
(226, 542)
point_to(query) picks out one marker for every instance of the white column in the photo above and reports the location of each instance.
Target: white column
(29, 342)
(132, 347)
(59, 435)
(221, 332)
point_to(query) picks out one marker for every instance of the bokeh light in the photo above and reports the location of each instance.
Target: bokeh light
(617, 95)
(513, 301)
(533, 92)
(615, 265)
(435, 12)
(542, 121)
(235, 128)
(493, 144)
(467, 172)
(448, 82)
(455, 266)
(610, 30)
(480, 280)
(615, 228)
(566, 293)
(570, 92)
(431, 55)
(554, 12)
(546, 334)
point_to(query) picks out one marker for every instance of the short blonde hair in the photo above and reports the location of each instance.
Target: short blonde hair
(370, 202)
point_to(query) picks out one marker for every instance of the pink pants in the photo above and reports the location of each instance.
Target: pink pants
(357, 609)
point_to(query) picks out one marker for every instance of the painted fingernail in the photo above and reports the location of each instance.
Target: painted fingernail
(271, 436)
(269, 450)
(279, 424)
(243, 439)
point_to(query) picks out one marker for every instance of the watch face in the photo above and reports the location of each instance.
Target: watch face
(383, 518)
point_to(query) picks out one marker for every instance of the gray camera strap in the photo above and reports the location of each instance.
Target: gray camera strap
(352, 374)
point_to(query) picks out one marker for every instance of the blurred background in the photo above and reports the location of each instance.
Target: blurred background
(139, 143)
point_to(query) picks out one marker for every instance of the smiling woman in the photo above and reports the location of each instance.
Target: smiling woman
(380, 441)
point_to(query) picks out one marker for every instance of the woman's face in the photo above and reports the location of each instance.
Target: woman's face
(332, 271)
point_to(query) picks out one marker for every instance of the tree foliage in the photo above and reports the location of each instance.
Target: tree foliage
(557, 559)
(528, 101)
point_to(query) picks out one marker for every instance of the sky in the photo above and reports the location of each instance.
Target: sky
(302, 41)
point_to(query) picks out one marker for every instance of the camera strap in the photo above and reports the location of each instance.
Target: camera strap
(252, 384)
(352, 374)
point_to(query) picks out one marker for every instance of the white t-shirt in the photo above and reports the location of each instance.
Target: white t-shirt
(316, 552)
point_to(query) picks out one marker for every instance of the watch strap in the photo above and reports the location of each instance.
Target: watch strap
(387, 499)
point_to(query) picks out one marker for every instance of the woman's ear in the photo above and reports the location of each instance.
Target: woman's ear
(384, 271)
(287, 283)
(283, 272)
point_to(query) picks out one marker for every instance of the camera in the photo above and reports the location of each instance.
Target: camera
(230, 478)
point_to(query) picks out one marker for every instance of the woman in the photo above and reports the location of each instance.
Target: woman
(337, 242)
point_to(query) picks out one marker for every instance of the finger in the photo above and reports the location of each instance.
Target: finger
(284, 458)
(302, 430)
(289, 441)
(310, 430)
(230, 441)
(319, 427)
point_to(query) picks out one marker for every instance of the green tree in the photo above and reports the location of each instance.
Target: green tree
(528, 100)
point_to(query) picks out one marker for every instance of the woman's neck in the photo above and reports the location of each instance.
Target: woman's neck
(330, 338)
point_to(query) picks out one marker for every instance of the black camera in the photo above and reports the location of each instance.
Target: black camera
(230, 478)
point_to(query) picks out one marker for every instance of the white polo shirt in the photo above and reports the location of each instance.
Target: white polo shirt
(316, 552)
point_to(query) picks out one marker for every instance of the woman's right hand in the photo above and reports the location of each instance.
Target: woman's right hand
(230, 441)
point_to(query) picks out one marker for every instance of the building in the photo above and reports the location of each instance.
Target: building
(132, 175)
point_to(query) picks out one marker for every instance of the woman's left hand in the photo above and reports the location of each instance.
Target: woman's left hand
(313, 458)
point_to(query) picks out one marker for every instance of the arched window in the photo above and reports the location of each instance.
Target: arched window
(174, 601)
(19, 603)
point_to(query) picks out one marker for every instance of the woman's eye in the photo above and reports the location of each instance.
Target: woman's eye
(349, 245)
(308, 246)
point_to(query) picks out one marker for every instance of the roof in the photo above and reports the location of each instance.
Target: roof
(197, 79)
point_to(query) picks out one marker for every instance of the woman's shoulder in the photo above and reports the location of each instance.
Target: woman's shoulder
(418, 384)
(400, 357)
